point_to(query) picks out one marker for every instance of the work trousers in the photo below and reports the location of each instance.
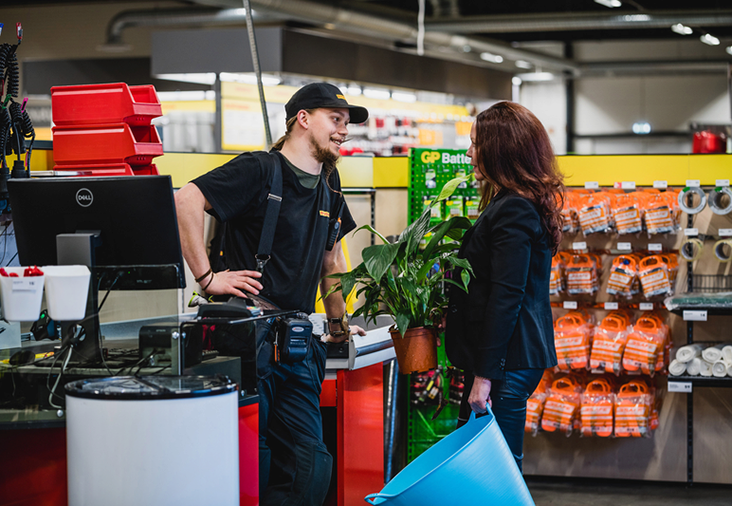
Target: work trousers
(294, 464)
(508, 397)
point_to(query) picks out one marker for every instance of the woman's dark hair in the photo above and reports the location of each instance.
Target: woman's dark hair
(514, 153)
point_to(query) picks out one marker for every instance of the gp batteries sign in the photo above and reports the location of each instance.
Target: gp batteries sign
(444, 157)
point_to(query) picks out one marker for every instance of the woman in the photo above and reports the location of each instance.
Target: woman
(500, 333)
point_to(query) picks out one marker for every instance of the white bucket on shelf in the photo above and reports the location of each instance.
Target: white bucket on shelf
(67, 289)
(21, 296)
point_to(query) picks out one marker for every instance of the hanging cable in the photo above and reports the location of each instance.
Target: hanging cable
(258, 72)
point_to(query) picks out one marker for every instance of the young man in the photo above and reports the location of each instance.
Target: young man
(294, 463)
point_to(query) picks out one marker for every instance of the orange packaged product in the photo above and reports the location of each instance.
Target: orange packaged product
(561, 406)
(556, 276)
(658, 214)
(654, 276)
(572, 342)
(594, 213)
(535, 404)
(581, 273)
(626, 213)
(569, 213)
(672, 263)
(632, 410)
(623, 272)
(646, 339)
(596, 411)
(608, 344)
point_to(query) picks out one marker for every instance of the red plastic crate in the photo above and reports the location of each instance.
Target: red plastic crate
(105, 144)
(111, 169)
(94, 104)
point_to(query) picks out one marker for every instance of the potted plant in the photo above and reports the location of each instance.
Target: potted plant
(406, 280)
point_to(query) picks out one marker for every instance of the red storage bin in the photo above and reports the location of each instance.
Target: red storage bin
(109, 169)
(106, 144)
(94, 104)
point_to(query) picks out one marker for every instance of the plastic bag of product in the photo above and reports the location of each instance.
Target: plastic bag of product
(626, 213)
(596, 411)
(672, 264)
(572, 335)
(623, 273)
(608, 344)
(581, 274)
(593, 211)
(561, 407)
(570, 221)
(632, 410)
(646, 339)
(654, 276)
(556, 276)
(658, 214)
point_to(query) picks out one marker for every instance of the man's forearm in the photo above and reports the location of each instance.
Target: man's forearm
(334, 262)
(190, 204)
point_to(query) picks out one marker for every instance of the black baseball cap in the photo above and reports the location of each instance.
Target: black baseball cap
(323, 95)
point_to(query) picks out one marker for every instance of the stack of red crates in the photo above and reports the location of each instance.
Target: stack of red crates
(105, 130)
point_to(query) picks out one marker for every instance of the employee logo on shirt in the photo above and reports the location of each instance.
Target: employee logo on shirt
(325, 213)
(84, 197)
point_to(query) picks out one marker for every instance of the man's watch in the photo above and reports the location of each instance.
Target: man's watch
(343, 328)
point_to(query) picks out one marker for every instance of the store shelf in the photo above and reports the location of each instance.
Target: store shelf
(702, 381)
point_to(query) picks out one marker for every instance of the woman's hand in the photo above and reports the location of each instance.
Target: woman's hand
(480, 394)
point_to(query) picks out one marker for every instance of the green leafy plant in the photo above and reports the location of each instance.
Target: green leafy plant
(405, 281)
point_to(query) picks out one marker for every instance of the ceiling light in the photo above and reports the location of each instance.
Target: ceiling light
(522, 64)
(354, 91)
(186, 96)
(402, 96)
(641, 128)
(516, 81)
(709, 39)
(536, 76)
(467, 48)
(198, 78)
(249, 78)
(728, 49)
(682, 29)
(630, 18)
(375, 93)
(609, 3)
(490, 57)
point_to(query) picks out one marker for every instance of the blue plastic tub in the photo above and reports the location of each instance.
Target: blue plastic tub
(472, 465)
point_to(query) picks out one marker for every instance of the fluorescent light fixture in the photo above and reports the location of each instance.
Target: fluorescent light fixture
(609, 3)
(186, 96)
(682, 29)
(249, 78)
(641, 128)
(710, 40)
(728, 49)
(354, 90)
(490, 57)
(536, 76)
(523, 64)
(202, 78)
(376, 93)
(402, 96)
(630, 18)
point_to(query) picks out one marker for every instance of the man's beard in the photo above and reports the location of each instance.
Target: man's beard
(321, 154)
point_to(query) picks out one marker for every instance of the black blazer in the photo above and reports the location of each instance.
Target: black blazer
(505, 321)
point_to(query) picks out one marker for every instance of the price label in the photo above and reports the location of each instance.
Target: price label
(624, 246)
(725, 232)
(609, 306)
(30, 284)
(628, 185)
(691, 232)
(722, 182)
(660, 184)
(695, 316)
(570, 304)
(646, 306)
(579, 246)
(693, 183)
(682, 387)
(594, 185)
(655, 246)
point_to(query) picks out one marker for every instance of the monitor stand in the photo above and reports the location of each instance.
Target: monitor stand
(79, 249)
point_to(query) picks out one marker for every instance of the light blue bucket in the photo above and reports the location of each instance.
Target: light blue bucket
(473, 465)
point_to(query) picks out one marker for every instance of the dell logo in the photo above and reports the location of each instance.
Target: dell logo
(84, 197)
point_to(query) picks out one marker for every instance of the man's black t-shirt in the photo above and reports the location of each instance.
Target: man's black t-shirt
(237, 192)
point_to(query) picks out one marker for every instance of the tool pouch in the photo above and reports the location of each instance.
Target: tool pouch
(292, 338)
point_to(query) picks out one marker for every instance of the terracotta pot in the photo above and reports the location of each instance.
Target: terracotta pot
(417, 350)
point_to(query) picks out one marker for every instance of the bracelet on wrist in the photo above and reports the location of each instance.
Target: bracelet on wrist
(213, 275)
(201, 278)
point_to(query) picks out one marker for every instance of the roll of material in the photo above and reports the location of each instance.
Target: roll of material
(715, 200)
(727, 353)
(691, 249)
(719, 252)
(729, 370)
(693, 368)
(686, 353)
(713, 353)
(695, 191)
(676, 368)
(719, 369)
(706, 369)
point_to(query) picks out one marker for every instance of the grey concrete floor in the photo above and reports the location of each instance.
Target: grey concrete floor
(550, 491)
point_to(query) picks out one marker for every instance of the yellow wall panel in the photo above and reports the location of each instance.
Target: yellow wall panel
(356, 171)
(391, 172)
(182, 167)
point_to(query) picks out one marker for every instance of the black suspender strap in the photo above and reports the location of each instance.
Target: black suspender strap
(274, 200)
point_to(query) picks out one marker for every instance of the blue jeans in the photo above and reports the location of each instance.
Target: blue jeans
(294, 464)
(508, 397)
